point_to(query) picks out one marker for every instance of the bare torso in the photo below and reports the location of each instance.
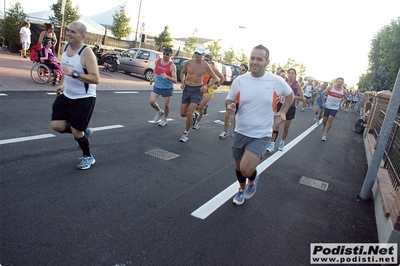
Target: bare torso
(194, 72)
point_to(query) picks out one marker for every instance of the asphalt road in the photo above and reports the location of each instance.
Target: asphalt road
(132, 208)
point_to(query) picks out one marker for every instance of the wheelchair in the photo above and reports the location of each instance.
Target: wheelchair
(42, 72)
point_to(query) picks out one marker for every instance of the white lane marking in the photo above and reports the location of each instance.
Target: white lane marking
(213, 204)
(8, 141)
(122, 92)
(3, 94)
(106, 127)
(219, 122)
(51, 93)
(154, 122)
(44, 136)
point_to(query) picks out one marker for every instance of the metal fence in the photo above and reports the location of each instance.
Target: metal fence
(391, 157)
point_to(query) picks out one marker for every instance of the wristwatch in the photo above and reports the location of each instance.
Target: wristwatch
(75, 74)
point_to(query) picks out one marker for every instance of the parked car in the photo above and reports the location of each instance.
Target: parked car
(227, 73)
(139, 61)
(235, 70)
(179, 63)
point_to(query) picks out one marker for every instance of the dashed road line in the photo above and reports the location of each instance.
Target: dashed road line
(45, 136)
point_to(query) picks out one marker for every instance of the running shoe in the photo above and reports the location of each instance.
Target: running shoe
(251, 188)
(224, 134)
(302, 109)
(86, 162)
(271, 147)
(205, 110)
(159, 115)
(88, 132)
(163, 122)
(239, 197)
(323, 137)
(316, 118)
(184, 137)
(195, 116)
(196, 126)
(281, 145)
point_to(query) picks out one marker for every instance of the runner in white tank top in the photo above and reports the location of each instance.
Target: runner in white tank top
(332, 104)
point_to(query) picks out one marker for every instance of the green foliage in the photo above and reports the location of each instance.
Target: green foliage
(215, 50)
(121, 23)
(242, 59)
(290, 63)
(229, 56)
(15, 18)
(384, 57)
(70, 13)
(190, 44)
(163, 39)
(364, 82)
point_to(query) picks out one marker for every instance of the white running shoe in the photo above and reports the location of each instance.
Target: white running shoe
(159, 115)
(224, 134)
(271, 147)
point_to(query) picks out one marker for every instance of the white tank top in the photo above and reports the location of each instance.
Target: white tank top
(334, 98)
(74, 88)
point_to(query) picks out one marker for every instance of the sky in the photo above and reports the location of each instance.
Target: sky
(331, 38)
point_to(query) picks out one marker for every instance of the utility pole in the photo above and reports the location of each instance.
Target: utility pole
(240, 37)
(137, 24)
(387, 125)
(62, 28)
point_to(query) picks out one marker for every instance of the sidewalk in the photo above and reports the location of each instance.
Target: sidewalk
(15, 76)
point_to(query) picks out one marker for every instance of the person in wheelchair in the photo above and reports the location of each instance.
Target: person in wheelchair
(47, 57)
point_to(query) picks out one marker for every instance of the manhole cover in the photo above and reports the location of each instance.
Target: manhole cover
(162, 154)
(314, 183)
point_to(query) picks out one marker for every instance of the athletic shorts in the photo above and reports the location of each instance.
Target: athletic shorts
(210, 91)
(330, 112)
(242, 143)
(192, 94)
(163, 92)
(353, 101)
(25, 46)
(77, 112)
(307, 97)
(290, 113)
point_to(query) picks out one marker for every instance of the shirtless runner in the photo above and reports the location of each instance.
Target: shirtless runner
(193, 88)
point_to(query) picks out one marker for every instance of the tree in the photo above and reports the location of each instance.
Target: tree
(163, 39)
(290, 63)
(384, 57)
(70, 13)
(121, 23)
(215, 50)
(242, 58)
(229, 56)
(190, 44)
(12, 24)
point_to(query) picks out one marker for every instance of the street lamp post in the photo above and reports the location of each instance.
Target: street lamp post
(137, 24)
(240, 37)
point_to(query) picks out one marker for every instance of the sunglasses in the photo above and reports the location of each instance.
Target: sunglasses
(167, 54)
(242, 69)
(207, 60)
(197, 53)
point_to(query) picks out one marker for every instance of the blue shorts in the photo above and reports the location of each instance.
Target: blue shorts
(330, 112)
(192, 94)
(242, 143)
(163, 92)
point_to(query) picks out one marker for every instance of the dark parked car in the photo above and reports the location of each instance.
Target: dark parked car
(139, 61)
(235, 70)
(179, 63)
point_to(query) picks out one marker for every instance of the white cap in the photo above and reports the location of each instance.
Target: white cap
(199, 50)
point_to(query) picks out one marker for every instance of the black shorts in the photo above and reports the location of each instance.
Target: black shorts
(290, 113)
(77, 112)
